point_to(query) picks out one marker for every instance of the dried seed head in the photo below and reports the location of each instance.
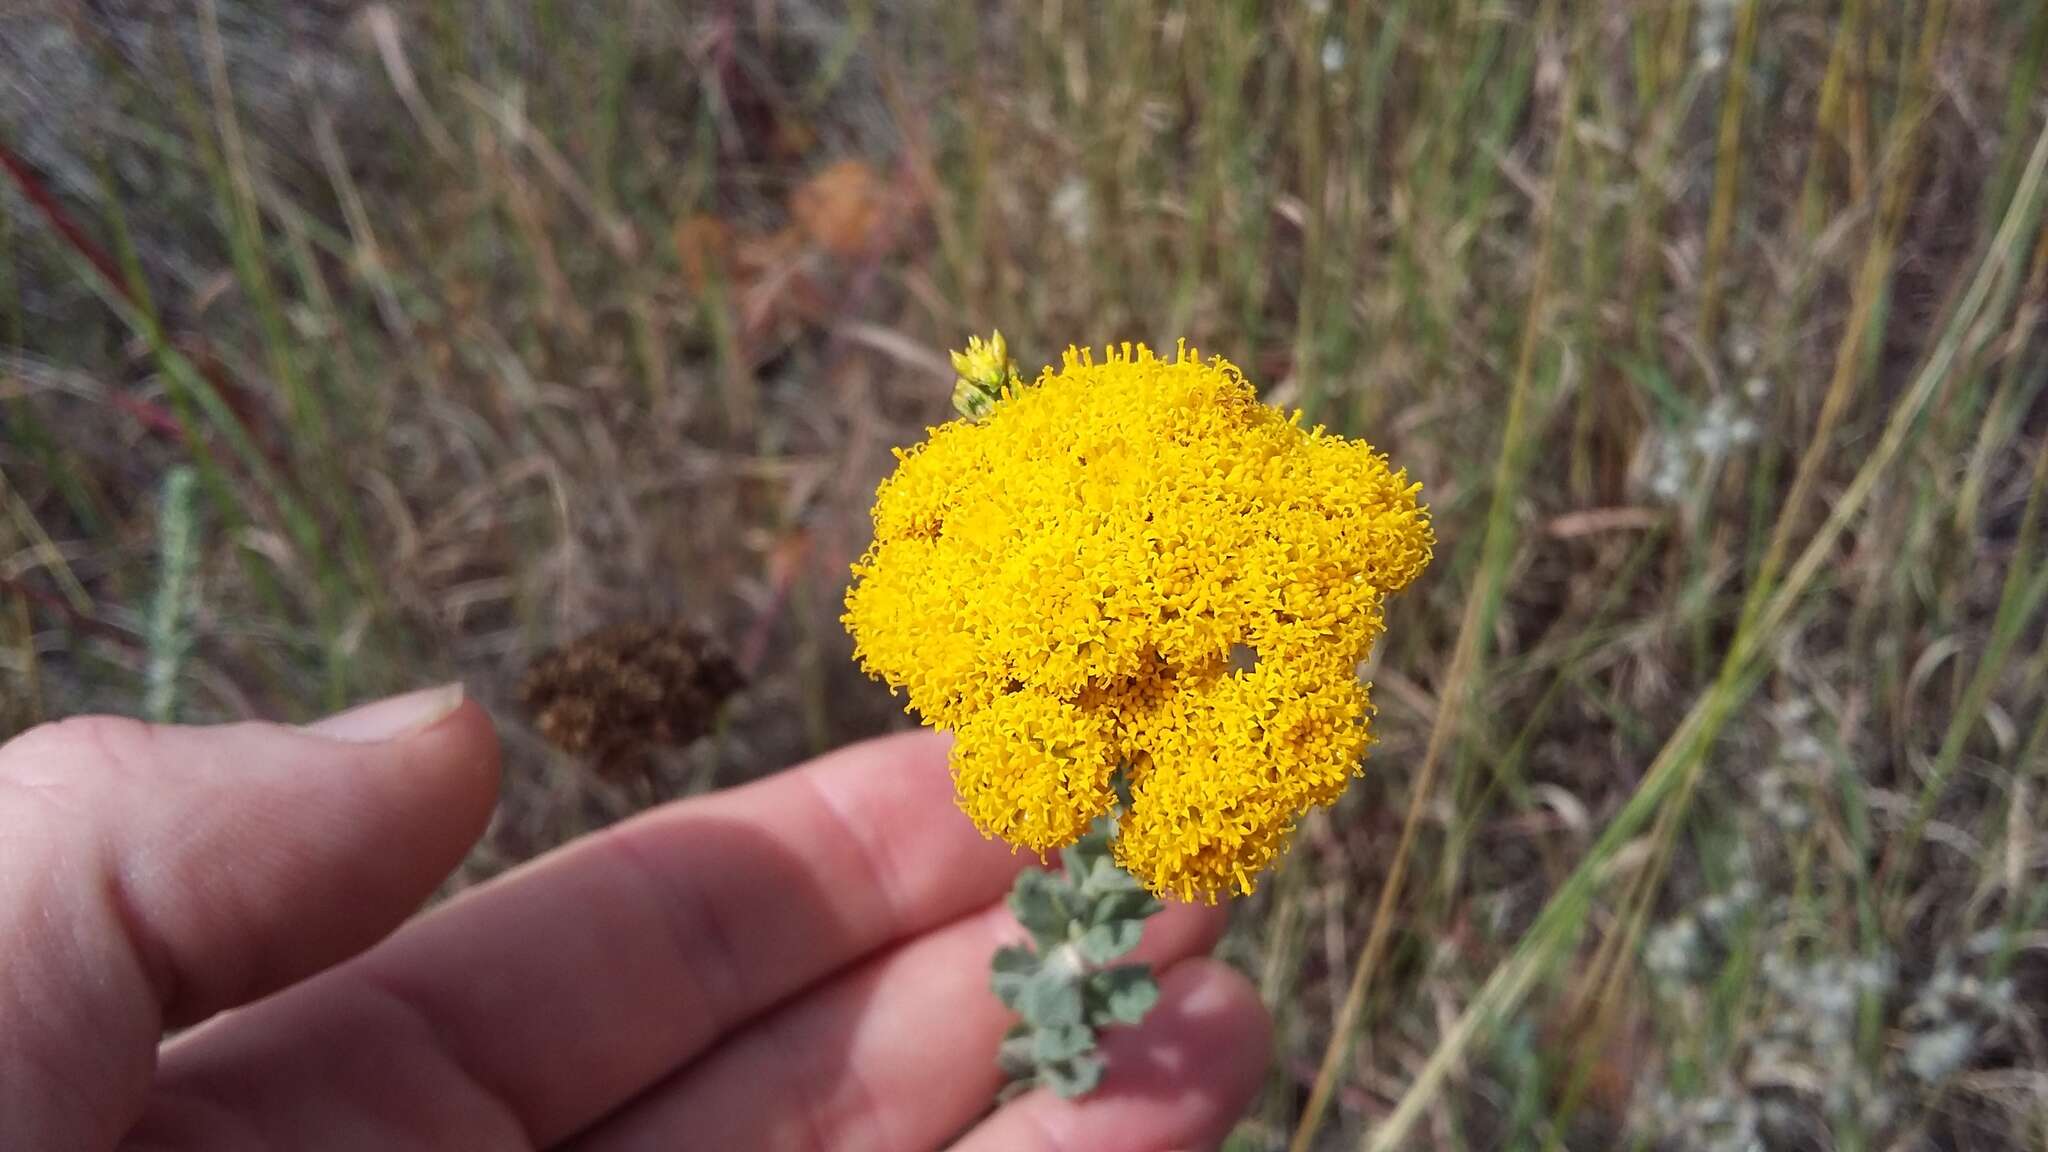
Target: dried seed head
(628, 688)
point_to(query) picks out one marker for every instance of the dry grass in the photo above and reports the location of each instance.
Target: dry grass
(1707, 808)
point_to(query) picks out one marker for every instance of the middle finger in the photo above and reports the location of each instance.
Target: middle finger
(894, 1056)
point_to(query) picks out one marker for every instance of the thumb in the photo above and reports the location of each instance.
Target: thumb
(152, 876)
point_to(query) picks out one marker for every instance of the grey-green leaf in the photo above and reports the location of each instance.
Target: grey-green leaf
(1011, 973)
(1121, 995)
(1037, 902)
(1053, 1045)
(1071, 1078)
(1052, 1000)
(1106, 942)
(1017, 1056)
(1135, 904)
(1104, 878)
(1078, 859)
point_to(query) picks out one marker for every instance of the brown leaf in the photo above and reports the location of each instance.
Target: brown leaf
(704, 246)
(842, 208)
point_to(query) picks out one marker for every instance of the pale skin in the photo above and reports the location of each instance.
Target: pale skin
(797, 964)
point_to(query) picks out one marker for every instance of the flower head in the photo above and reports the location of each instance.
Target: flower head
(1135, 566)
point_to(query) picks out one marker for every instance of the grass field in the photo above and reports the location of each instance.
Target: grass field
(380, 344)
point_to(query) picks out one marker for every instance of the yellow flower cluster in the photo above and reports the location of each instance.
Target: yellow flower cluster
(1135, 565)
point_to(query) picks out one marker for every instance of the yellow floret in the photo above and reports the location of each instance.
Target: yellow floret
(1135, 564)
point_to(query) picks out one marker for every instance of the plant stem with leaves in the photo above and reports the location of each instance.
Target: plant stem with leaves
(1065, 985)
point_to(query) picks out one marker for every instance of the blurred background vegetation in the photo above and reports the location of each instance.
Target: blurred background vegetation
(346, 347)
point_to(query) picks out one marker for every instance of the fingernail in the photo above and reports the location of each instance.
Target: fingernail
(392, 718)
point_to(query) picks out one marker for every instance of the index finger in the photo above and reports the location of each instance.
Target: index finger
(569, 985)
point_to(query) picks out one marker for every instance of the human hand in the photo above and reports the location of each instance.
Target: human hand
(800, 963)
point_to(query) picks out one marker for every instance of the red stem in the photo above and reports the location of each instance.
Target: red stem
(153, 417)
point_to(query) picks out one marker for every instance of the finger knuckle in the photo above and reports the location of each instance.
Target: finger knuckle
(75, 758)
